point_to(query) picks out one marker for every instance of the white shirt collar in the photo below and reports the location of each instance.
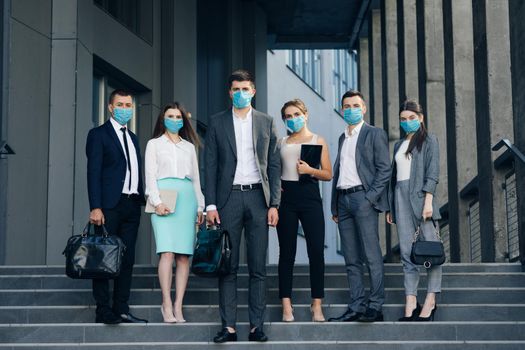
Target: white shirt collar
(356, 130)
(248, 115)
(116, 125)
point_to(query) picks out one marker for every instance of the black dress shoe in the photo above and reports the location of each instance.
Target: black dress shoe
(107, 317)
(371, 315)
(348, 316)
(223, 336)
(129, 318)
(429, 318)
(257, 335)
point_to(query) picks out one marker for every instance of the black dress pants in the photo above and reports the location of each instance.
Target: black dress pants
(122, 220)
(301, 201)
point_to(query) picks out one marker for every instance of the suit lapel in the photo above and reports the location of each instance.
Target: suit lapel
(360, 144)
(257, 128)
(230, 130)
(111, 131)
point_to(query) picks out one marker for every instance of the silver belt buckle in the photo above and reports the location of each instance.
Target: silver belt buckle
(249, 187)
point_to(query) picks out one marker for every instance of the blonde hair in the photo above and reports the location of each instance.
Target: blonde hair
(294, 103)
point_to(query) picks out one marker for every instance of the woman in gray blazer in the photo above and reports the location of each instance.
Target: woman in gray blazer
(412, 204)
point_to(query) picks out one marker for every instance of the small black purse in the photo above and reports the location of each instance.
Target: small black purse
(427, 253)
(212, 255)
(92, 256)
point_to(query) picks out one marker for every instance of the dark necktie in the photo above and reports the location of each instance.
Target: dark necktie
(127, 154)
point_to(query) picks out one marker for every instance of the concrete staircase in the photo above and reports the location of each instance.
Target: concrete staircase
(482, 306)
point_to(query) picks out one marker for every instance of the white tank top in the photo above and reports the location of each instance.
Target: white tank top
(403, 162)
(290, 154)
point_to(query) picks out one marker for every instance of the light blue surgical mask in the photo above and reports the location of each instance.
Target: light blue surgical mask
(295, 124)
(122, 115)
(410, 126)
(242, 99)
(173, 125)
(353, 116)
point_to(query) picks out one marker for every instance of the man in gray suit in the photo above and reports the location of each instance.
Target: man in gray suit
(361, 174)
(243, 191)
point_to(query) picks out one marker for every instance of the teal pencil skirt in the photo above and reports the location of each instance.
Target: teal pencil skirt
(176, 232)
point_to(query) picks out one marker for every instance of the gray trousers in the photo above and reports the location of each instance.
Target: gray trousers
(245, 211)
(407, 224)
(358, 228)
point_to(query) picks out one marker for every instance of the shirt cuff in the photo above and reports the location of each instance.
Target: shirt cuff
(211, 207)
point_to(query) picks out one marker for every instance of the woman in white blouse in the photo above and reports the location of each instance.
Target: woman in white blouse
(171, 164)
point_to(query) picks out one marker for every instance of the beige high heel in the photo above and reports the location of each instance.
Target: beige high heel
(182, 320)
(291, 319)
(314, 319)
(167, 318)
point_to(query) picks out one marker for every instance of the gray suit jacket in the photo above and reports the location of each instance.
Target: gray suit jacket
(221, 158)
(424, 177)
(373, 166)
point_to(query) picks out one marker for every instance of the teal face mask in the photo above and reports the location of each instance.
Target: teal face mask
(173, 125)
(410, 126)
(242, 99)
(295, 124)
(122, 115)
(353, 116)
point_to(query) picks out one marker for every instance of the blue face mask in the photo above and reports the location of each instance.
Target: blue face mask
(242, 99)
(122, 115)
(410, 126)
(173, 125)
(353, 116)
(295, 124)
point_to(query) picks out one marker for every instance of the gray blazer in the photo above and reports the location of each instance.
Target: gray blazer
(424, 177)
(373, 166)
(221, 158)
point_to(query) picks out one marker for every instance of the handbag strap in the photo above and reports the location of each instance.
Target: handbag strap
(87, 229)
(436, 231)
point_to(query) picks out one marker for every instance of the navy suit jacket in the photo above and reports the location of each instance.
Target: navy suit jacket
(106, 168)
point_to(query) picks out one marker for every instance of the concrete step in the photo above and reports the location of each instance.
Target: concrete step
(389, 268)
(300, 280)
(206, 313)
(307, 331)
(284, 345)
(209, 296)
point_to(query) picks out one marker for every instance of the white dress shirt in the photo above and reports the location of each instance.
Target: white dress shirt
(133, 159)
(165, 159)
(246, 172)
(348, 175)
(403, 163)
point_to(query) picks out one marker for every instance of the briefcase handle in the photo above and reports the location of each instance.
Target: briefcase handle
(85, 231)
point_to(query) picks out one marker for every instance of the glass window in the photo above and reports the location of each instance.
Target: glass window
(344, 74)
(136, 15)
(307, 65)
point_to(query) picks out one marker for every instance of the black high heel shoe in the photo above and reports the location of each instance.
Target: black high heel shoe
(429, 318)
(413, 316)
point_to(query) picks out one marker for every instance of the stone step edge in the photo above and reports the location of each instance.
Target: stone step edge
(91, 306)
(299, 274)
(286, 324)
(313, 342)
(84, 290)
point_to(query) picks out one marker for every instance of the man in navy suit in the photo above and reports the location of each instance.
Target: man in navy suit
(115, 198)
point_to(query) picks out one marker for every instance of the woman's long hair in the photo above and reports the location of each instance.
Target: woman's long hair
(419, 136)
(186, 132)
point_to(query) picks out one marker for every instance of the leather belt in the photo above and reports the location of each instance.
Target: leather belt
(244, 188)
(351, 189)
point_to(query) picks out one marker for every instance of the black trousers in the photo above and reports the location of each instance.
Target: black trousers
(301, 201)
(123, 221)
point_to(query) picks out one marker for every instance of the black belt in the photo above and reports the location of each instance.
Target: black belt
(351, 189)
(130, 196)
(243, 188)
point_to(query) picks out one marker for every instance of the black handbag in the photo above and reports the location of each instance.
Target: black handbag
(93, 256)
(212, 255)
(427, 253)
